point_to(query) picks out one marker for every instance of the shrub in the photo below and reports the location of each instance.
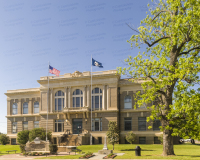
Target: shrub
(4, 139)
(23, 137)
(53, 148)
(22, 147)
(109, 155)
(130, 137)
(39, 132)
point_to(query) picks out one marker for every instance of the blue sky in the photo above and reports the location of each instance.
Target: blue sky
(64, 32)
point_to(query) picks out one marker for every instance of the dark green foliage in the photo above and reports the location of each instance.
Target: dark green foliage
(113, 133)
(4, 139)
(23, 137)
(53, 148)
(130, 137)
(22, 147)
(39, 132)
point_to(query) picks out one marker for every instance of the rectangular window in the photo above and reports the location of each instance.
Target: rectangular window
(59, 104)
(14, 127)
(59, 125)
(97, 124)
(156, 140)
(13, 141)
(100, 140)
(156, 125)
(128, 124)
(36, 124)
(127, 102)
(141, 123)
(25, 125)
(142, 140)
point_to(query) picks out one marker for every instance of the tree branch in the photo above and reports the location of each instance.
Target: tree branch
(198, 47)
(156, 41)
(160, 13)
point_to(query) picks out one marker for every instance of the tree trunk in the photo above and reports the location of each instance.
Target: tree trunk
(168, 148)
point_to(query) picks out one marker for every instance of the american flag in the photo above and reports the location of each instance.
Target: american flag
(54, 71)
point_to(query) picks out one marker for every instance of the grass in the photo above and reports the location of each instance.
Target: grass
(4, 148)
(183, 151)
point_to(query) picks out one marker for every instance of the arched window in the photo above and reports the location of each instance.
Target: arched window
(127, 102)
(25, 108)
(59, 101)
(36, 107)
(14, 108)
(77, 98)
(97, 99)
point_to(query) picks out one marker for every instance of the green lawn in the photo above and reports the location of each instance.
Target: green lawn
(5, 148)
(183, 152)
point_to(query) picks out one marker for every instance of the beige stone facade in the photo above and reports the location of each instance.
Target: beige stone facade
(69, 107)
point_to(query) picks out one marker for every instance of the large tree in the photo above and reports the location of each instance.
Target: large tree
(169, 65)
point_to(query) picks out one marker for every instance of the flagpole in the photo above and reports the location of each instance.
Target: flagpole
(91, 103)
(47, 103)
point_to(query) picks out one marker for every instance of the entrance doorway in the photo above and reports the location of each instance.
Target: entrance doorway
(77, 126)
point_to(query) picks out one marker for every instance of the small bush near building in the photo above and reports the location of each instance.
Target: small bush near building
(4, 139)
(130, 137)
(39, 132)
(23, 137)
(53, 148)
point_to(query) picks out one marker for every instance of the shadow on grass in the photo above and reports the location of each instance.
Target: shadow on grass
(187, 156)
(134, 150)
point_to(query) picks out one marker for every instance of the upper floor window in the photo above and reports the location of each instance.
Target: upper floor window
(25, 108)
(14, 108)
(59, 101)
(36, 107)
(77, 98)
(97, 99)
(14, 127)
(127, 102)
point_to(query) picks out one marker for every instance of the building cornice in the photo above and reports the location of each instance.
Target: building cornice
(22, 91)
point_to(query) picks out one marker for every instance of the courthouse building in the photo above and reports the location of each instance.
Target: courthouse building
(69, 109)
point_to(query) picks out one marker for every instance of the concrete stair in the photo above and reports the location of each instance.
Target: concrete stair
(70, 140)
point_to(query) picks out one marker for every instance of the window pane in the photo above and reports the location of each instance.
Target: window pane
(100, 102)
(142, 123)
(25, 125)
(56, 127)
(36, 124)
(128, 124)
(96, 102)
(14, 127)
(156, 125)
(127, 102)
(100, 90)
(59, 127)
(59, 104)
(93, 101)
(74, 101)
(77, 101)
(14, 108)
(25, 108)
(96, 126)
(36, 107)
(81, 102)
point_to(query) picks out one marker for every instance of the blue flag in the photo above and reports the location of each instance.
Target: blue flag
(96, 63)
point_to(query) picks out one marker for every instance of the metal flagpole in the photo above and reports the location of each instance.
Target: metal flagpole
(91, 104)
(47, 102)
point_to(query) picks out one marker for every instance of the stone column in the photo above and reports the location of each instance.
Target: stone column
(104, 97)
(84, 97)
(88, 96)
(30, 106)
(9, 108)
(108, 97)
(19, 106)
(65, 105)
(69, 97)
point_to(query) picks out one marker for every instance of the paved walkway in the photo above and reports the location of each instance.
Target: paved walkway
(17, 157)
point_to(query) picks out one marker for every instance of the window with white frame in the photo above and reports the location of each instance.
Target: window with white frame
(25, 125)
(127, 102)
(36, 107)
(14, 127)
(97, 99)
(77, 98)
(36, 124)
(59, 101)
(14, 108)
(25, 108)
(59, 125)
(97, 124)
